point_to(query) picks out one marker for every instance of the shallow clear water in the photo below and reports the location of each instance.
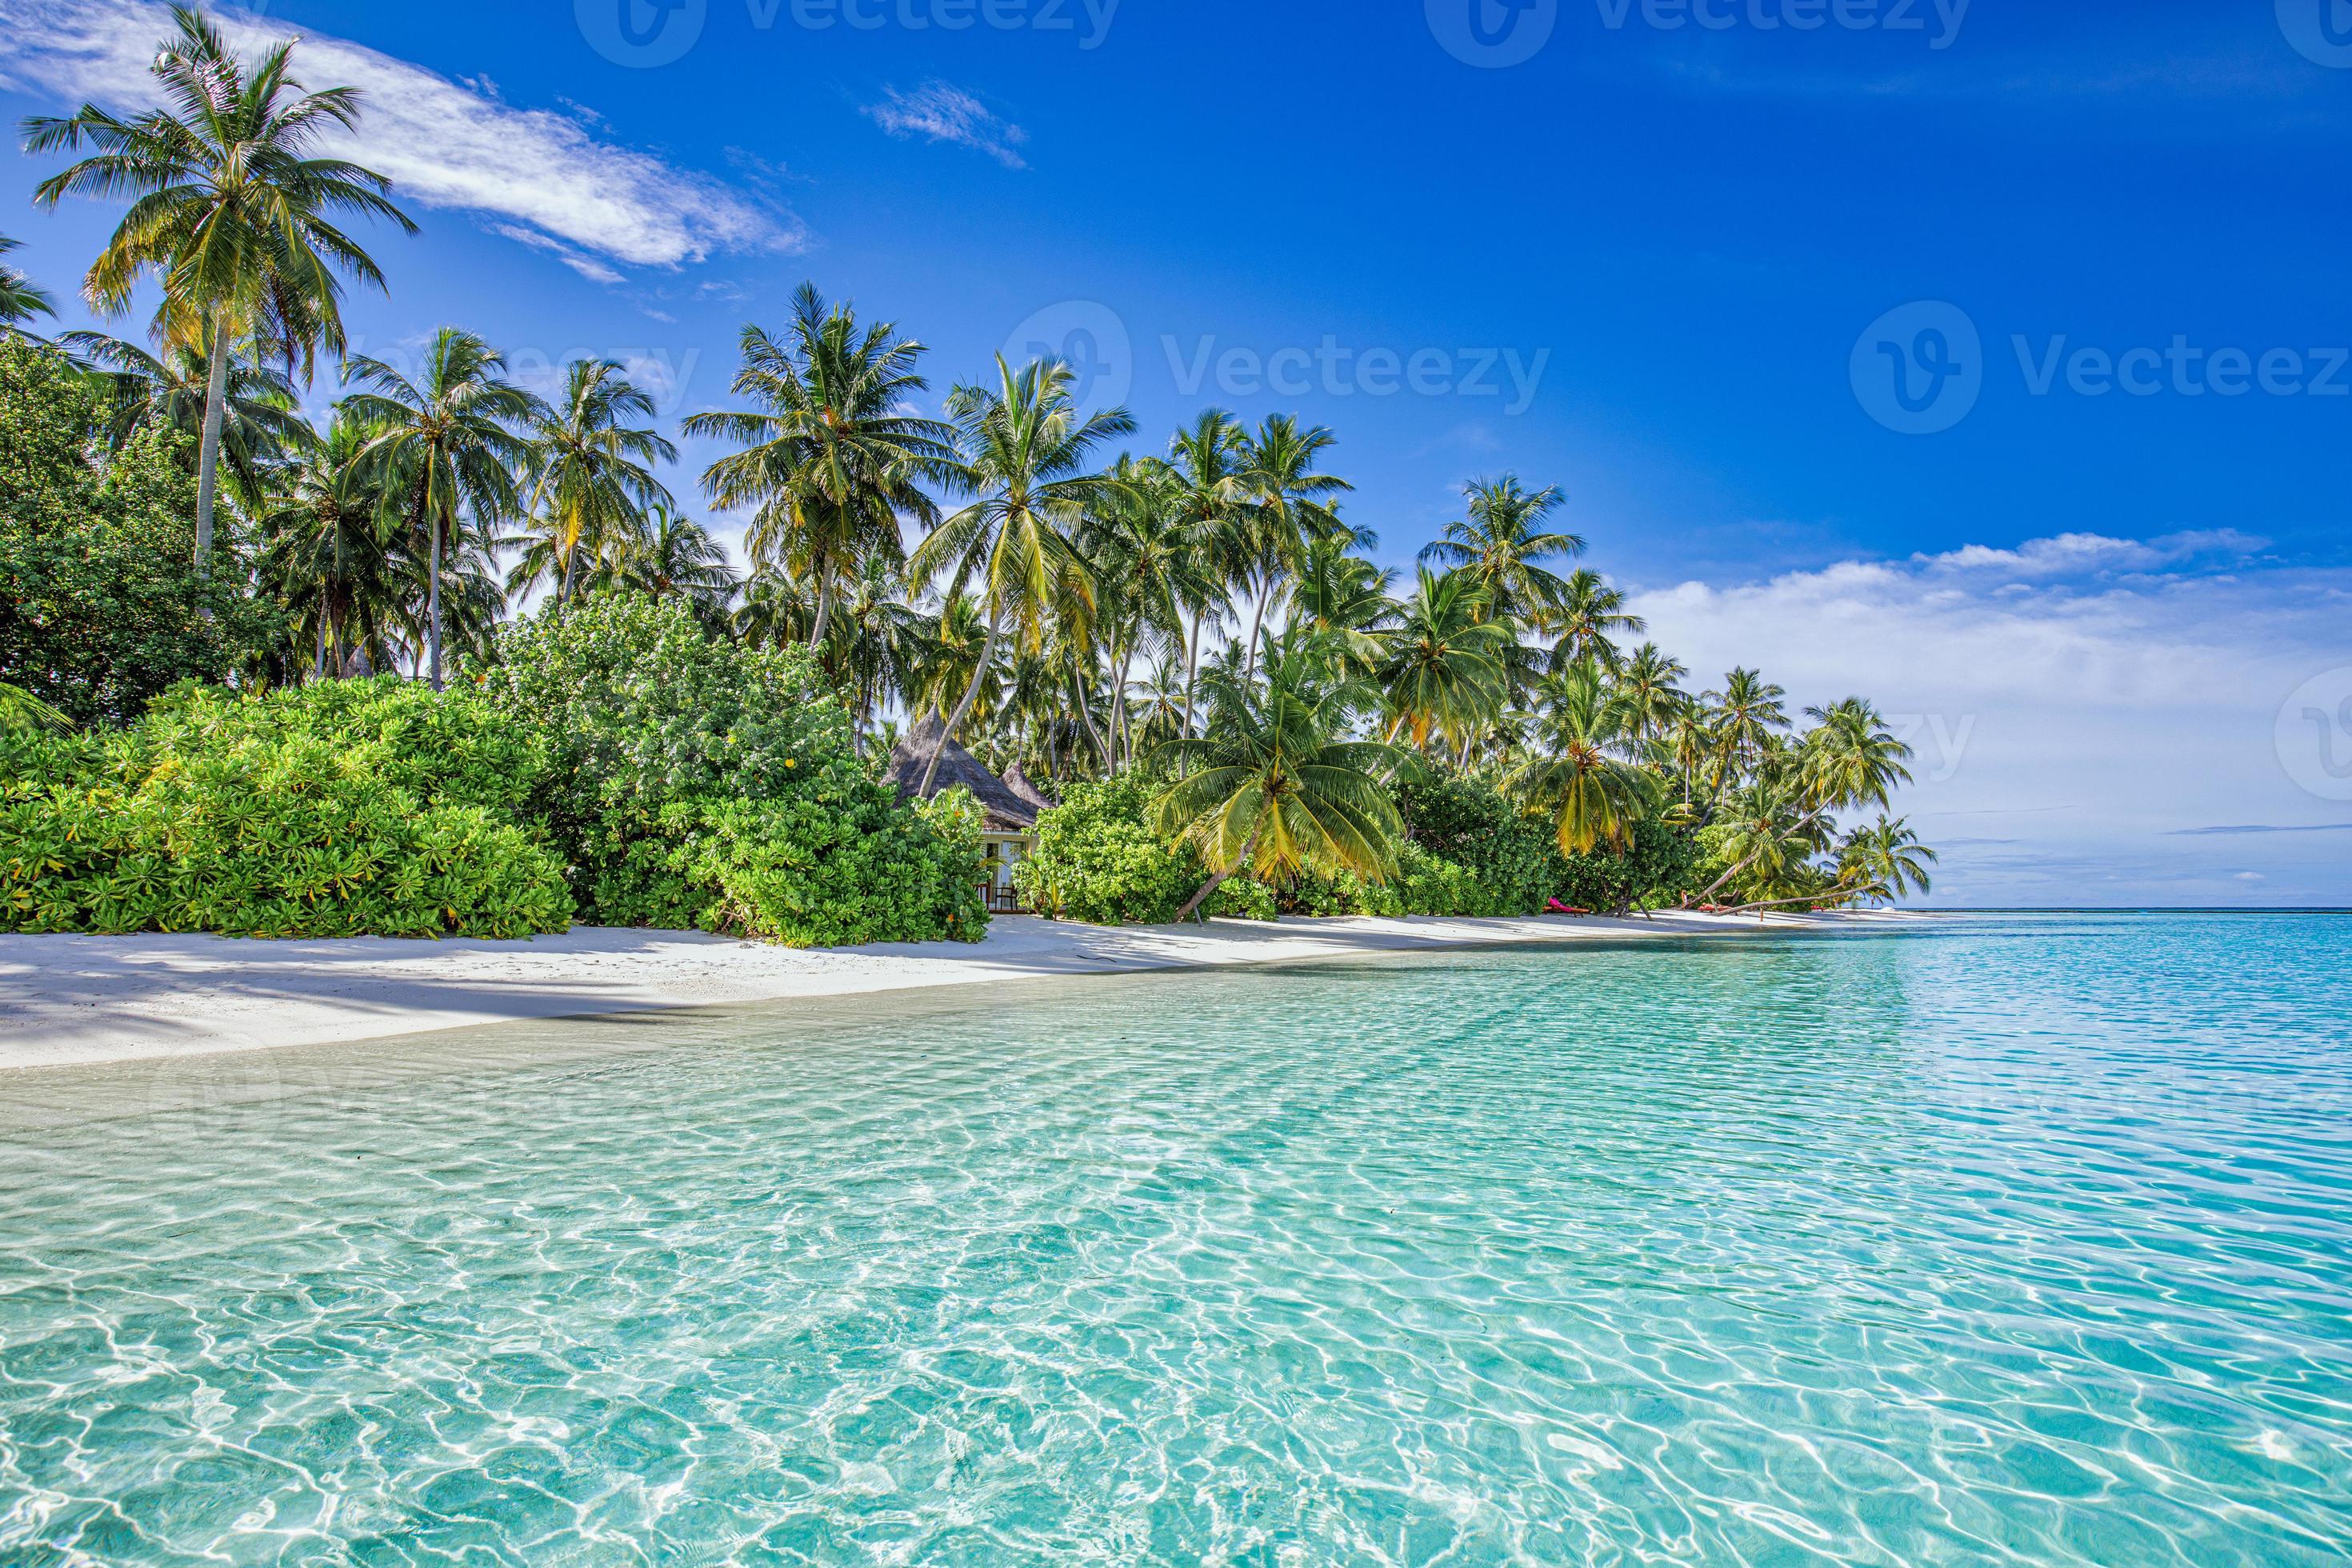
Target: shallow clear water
(2026, 1241)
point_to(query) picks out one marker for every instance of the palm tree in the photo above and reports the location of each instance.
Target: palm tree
(227, 212)
(21, 713)
(1885, 858)
(331, 552)
(1207, 457)
(1587, 618)
(1445, 666)
(590, 474)
(446, 446)
(20, 300)
(1770, 833)
(831, 459)
(1147, 570)
(1852, 758)
(1343, 594)
(1593, 795)
(1500, 543)
(1286, 503)
(1024, 450)
(1274, 789)
(878, 636)
(1746, 716)
(777, 610)
(1648, 689)
(671, 554)
(261, 424)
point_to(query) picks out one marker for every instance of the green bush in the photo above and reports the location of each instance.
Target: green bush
(100, 608)
(694, 781)
(1097, 860)
(1657, 868)
(231, 815)
(1504, 862)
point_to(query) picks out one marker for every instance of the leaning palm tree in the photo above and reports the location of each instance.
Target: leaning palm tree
(1500, 543)
(591, 471)
(447, 447)
(261, 422)
(1770, 833)
(20, 300)
(228, 212)
(1887, 861)
(1276, 789)
(1852, 758)
(1288, 503)
(1594, 796)
(1027, 452)
(832, 459)
(22, 712)
(1445, 668)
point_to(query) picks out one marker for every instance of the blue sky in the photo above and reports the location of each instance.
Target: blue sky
(2097, 563)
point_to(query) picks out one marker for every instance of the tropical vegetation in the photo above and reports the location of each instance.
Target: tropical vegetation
(447, 654)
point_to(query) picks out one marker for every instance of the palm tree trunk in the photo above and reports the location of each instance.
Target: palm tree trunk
(433, 602)
(824, 603)
(1219, 881)
(1192, 667)
(1257, 622)
(963, 709)
(208, 450)
(1727, 876)
(318, 663)
(1094, 733)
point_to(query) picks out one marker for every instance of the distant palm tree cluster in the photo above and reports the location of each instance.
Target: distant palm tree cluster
(1207, 610)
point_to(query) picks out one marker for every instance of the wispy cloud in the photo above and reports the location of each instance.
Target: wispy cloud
(2261, 827)
(941, 111)
(2070, 554)
(445, 144)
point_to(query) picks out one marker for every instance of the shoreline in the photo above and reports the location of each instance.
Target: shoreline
(71, 1001)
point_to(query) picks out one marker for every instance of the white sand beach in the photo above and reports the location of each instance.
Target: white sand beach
(76, 999)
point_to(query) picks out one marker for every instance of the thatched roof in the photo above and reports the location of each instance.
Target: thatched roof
(1006, 812)
(1019, 784)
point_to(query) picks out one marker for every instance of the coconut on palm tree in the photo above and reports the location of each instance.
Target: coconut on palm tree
(1276, 788)
(447, 448)
(832, 459)
(1027, 451)
(230, 213)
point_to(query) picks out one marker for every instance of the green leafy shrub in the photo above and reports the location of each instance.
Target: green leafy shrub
(1099, 862)
(694, 781)
(229, 815)
(1657, 868)
(100, 607)
(1504, 862)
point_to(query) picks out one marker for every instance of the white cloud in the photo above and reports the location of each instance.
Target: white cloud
(2078, 730)
(944, 112)
(443, 143)
(2070, 554)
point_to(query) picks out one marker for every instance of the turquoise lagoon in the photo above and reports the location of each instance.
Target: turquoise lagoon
(2024, 1240)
